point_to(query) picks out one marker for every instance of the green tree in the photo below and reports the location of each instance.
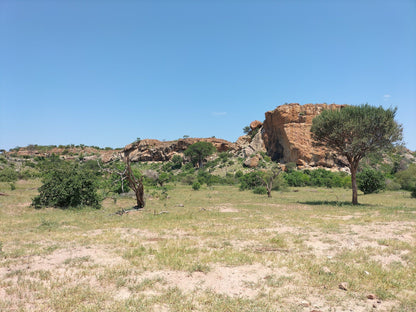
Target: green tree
(68, 186)
(199, 151)
(269, 177)
(163, 178)
(356, 131)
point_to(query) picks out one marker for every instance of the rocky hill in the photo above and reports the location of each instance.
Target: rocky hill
(155, 150)
(284, 136)
(66, 152)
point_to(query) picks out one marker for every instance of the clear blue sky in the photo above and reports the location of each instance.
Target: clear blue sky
(106, 72)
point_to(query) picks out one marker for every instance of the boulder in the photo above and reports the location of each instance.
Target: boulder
(255, 124)
(253, 162)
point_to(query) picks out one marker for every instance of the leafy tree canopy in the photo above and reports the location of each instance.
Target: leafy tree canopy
(199, 151)
(68, 186)
(355, 131)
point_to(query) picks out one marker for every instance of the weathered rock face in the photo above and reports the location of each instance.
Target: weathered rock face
(247, 146)
(155, 150)
(287, 136)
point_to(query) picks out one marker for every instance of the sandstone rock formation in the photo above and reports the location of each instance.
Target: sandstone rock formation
(247, 146)
(155, 150)
(255, 124)
(287, 137)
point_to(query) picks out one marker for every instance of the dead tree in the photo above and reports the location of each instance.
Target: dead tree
(135, 184)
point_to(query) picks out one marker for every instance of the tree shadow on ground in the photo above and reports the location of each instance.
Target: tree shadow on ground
(331, 203)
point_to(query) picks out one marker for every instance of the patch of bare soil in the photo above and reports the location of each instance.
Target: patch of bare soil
(240, 281)
(226, 207)
(57, 260)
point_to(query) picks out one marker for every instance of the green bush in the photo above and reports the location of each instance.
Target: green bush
(407, 178)
(392, 185)
(296, 178)
(370, 181)
(238, 174)
(68, 186)
(196, 186)
(8, 175)
(260, 190)
(250, 180)
(317, 177)
(322, 177)
(413, 194)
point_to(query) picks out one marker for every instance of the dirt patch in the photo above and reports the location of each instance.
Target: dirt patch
(227, 207)
(240, 281)
(58, 260)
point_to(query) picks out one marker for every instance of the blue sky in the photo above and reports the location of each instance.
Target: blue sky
(107, 72)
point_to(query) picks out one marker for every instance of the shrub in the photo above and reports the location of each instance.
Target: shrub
(407, 178)
(250, 180)
(260, 190)
(413, 194)
(8, 175)
(196, 186)
(68, 186)
(322, 177)
(392, 185)
(296, 178)
(291, 166)
(238, 174)
(370, 181)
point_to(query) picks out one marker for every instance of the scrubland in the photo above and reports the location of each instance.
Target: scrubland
(216, 249)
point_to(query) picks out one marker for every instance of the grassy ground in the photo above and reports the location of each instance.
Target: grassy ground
(217, 249)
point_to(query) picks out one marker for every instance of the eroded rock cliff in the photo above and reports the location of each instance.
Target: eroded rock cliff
(287, 137)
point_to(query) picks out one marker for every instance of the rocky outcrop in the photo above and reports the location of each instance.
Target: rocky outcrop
(248, 146)
(155, 150)
(287, 137)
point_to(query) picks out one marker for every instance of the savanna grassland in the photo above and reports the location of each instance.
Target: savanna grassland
(216, 249)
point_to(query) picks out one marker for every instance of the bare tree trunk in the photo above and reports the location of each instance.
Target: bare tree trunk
(135, 184)
(354, 168)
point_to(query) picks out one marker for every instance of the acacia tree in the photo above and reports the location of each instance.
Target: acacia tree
(199, 151)
(356, 131)
(269, 177)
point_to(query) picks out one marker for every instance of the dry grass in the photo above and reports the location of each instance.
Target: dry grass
(224, 250)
